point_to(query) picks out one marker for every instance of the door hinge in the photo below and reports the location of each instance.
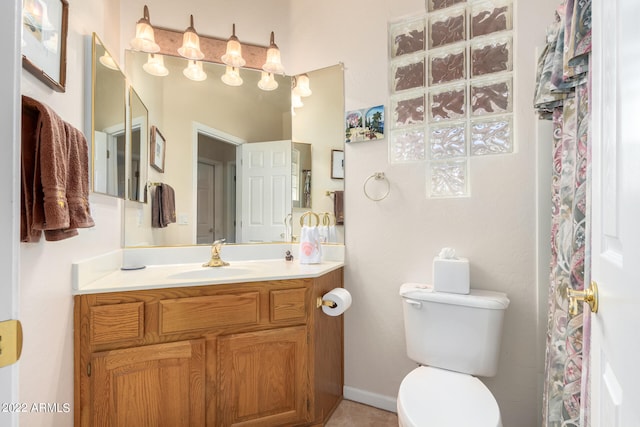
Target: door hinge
(10, 342)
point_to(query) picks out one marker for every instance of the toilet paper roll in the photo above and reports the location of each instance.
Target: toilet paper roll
(341, 297)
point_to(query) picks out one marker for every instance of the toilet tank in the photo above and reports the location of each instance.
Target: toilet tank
(457, 332)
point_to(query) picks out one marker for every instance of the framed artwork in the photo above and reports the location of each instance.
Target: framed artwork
(337, 164)
(158, 149)
(364, 125)
(44, 41)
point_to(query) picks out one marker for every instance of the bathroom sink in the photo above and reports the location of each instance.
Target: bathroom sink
(211, 273)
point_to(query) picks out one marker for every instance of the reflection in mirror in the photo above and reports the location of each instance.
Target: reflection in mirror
(301, 175)
(206, 124)
(138, 137)
(108, 123)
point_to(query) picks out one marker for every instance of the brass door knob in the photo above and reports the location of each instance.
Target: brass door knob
(589, 295)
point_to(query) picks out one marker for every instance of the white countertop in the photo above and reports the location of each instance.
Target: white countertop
(194, 274)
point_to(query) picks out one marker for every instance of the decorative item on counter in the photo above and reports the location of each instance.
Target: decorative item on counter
(450, 273)
(288, 256)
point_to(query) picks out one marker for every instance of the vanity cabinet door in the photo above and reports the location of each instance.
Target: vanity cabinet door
(263, 378)
(149, 386)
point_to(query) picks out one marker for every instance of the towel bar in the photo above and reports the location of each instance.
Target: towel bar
(377, 176)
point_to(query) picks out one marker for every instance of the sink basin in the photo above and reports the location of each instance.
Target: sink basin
(211, 273)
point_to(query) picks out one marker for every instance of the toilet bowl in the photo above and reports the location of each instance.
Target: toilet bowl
(454, 338)
(436, 397)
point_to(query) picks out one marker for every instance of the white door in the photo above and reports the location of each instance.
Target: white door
(206, 207)
(265, 190)
(10, 89)
(615, 374)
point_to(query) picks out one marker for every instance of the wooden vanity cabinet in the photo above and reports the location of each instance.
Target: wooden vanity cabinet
(250, 354)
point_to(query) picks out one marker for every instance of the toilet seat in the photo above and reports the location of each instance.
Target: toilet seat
(435, 397)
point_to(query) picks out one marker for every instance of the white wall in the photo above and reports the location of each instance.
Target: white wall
(394, 241)
(388, 242)
(46, 366)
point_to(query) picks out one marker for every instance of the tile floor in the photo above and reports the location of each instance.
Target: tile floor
(353, 414)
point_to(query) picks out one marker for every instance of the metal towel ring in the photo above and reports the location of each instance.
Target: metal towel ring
(377, 176)
(310, 215)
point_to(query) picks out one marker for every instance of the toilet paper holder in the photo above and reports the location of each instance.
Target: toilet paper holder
(326, 302)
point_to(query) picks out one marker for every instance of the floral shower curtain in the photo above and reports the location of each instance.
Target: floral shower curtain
(562, 95)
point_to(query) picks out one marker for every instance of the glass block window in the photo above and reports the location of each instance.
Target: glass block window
(451, 88)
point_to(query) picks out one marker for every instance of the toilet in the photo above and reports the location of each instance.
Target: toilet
(454, 338)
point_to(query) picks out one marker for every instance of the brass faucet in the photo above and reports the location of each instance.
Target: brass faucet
(215, 260)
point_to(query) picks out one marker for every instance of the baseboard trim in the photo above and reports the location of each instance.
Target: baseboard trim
(380, 401)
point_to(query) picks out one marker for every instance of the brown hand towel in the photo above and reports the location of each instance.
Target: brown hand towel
(168, 205)
(55, 175)
(338, 206)
(163, 206)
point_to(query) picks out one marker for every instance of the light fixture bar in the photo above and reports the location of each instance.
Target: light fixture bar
(212, 47)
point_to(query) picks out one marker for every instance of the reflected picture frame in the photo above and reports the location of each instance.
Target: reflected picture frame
(44, 41)
(337, 164)
(157, 150)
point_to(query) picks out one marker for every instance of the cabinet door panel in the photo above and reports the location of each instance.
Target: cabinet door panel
(264, 378)
(155, 386)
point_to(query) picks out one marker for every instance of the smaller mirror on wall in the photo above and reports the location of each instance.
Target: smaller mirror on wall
(108, 117)
(138, 137)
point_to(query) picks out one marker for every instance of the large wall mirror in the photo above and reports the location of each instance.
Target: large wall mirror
(212, 132)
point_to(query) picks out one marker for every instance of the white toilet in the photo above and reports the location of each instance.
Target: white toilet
(453, 337)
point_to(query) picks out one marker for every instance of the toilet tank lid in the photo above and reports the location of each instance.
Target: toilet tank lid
(475, 298)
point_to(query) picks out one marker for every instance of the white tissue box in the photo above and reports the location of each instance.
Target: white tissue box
(451, 275)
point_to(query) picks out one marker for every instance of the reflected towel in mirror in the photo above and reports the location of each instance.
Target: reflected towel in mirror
(163, 206)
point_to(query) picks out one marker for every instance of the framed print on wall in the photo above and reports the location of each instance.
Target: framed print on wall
(337, 164)
(158, 149)
(44, 41)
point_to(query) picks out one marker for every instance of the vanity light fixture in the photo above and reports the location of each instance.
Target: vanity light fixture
(194, 71)
(267, 81)
(301, 85)
(273, 64)
(155, 65)
(296, 101)
(233, 56)
(108, 61)
(145, 40)
(191, 44)
(232, 77)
